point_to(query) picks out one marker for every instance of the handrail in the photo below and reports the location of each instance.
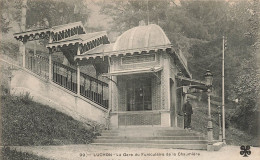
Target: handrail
(93, 79)
(37, 64)
(64, 66)
(65, 76)
(10, 63)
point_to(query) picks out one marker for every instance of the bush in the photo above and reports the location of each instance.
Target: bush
(246, 118)
(5, 73)
(26, 98)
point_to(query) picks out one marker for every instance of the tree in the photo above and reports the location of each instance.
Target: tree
(247, 86)
(128, 14)
(52, 13)
(10, 11)
(43, 13)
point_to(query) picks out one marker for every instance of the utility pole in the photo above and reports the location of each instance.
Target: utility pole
(223, 92)
(147, 7)
(219, 123)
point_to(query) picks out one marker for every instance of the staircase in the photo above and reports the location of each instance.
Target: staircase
(152, 137)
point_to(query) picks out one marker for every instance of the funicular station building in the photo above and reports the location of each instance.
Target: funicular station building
(135, 91)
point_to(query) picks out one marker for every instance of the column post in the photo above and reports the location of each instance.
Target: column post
(78, 72)
(165, 91)
(50, 65)
(165, 83)
(182, 103)
(78, 79)
(22, 51)
(175, 103)
(112, 96)
(210, 127)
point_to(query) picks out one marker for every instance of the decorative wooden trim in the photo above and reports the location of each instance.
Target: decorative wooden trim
(139, 55)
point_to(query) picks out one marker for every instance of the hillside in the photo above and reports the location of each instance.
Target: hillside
(234, 136)
(25, 122)
(8, 154)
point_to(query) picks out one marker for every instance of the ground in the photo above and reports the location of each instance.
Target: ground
(86, 152)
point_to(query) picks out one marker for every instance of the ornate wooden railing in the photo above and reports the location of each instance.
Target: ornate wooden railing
(94, 89)
(37, 64)
(64, 76)
(90, 87)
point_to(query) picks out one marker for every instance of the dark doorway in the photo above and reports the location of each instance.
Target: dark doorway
(139, 96)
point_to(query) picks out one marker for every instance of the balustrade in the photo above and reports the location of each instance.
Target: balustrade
(94, 89)
(64, 76)
(37, 64)
(90, 87)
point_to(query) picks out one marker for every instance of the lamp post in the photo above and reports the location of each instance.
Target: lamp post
(208, 83)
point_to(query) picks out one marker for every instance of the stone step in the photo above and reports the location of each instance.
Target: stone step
(154, 131)
(150, 134)
(143, 129)
(156, 137)
(159, 130)
(150, 141)
(153, 145)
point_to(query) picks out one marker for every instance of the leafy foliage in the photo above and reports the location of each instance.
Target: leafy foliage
(51, 13)
(234, 136)
(43, 13)
(10, 11)
(128, 14)
(247, 88)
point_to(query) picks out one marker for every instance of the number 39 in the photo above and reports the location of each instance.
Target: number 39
(82, 155)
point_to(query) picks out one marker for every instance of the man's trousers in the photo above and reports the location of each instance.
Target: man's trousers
(187, 121)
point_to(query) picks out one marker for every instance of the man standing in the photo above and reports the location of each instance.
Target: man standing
(187, 110)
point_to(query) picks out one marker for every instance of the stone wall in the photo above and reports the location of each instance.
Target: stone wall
(49, 93)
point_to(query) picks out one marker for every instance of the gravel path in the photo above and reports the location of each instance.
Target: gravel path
(92, 152)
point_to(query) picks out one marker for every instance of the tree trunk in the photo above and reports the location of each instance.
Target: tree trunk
(23, 19)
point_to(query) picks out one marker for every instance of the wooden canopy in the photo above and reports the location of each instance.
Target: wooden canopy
(56, 33)
(192, 83)
(71, 39)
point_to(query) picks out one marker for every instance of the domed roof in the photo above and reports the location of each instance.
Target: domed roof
(141, 37)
